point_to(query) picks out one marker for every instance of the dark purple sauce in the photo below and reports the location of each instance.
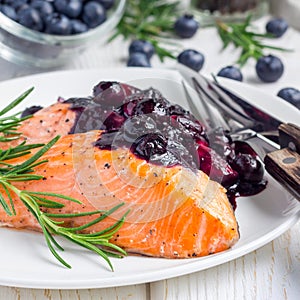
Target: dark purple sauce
(30, 110)
(166, 134)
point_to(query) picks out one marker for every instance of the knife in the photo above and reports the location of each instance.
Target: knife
(281, 154)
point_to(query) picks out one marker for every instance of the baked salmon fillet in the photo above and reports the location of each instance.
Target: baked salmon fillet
(131, 146)
(174, 211)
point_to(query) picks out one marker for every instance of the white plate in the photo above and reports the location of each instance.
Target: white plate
(24, 258)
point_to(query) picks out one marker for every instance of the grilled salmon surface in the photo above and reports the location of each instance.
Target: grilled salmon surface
(174, 211)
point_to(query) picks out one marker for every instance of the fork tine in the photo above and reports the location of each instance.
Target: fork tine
(192, 105)
(216, 118)
(210, 118)
(221, 100)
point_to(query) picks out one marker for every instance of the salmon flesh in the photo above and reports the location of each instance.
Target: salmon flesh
(175, 211)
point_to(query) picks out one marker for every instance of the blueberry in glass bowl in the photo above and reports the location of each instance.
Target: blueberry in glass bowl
(49, 34)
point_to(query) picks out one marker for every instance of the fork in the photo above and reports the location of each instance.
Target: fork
(213, 116)
(218, 111)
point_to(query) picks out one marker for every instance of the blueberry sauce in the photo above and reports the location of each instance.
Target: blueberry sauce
(30, 110)
(166, 134)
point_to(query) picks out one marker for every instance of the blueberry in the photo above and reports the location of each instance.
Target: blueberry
(78, 26)
(241, 147)
(113, 121)
(127, 90)
(142, 47)
(186, 26)
(177, 110)
(269, 68)
(128, 108)
(138, 60)
(58, 24)
(107, 4)
(159, 106)
(192, 59)
(16, 4)
(138, 126)
(70, 8)
(231, 72)
(291, 95)
(110, 93)
(30, 17)
(9, 11)
(93, 14)
(215, 167)
(249, 167)
(149, 145)
(191, 126)
(277, 27)
(43, 7)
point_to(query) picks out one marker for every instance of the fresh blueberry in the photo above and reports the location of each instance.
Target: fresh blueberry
(269, 68)
(138, 60)
(107, 4)
(277, 27)
(78, 26)
(186, 26)
(192, 59)
(43, 7)
(70, 8)
(231, 72)
(93, 14)
(58, 24)
(9, 11)
(142, 47)
(16, 4)
(30, 17)
(291, 95)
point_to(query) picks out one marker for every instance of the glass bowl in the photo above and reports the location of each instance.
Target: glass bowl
(210, 11)
(21, 45)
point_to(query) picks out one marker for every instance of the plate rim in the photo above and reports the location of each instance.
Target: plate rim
(166, 274)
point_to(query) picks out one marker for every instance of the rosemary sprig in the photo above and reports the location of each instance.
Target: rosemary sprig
(151, 21)
(9, 125)
(241, 35)
(37, 202)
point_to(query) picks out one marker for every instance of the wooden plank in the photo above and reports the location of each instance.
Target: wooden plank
(133, 292)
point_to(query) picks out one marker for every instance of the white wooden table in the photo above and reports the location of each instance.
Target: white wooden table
(271, 272)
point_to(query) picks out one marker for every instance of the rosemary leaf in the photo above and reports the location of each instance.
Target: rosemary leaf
(242, 36)
(151, 21)
(37, 202)
(14, 103)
